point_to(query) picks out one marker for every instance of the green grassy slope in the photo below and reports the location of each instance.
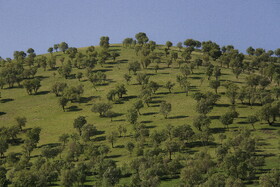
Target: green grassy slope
(43, 110)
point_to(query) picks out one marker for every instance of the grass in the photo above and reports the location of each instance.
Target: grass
(42, 109)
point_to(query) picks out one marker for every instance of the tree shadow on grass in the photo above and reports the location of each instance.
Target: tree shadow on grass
(217, 130)
(155, 101)
(196, 78)
(119, 146)
(51, 145)
(122, 61)
(127, 98)
(119, 120)
(222, 105)
(6, 100)
(42, 77)
(149, 113)
(16, 141)
(146, 121)
(200, 144)
(151, 126)
(87, 99)
(2, 113)
(163, 93)
(154, 105)
(73, 109)
(99, 138)
(114, 156)
(102, 70)
(214, 117)
(42, 93)
(177, 117)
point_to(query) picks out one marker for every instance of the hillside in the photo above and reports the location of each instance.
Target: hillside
(192, 132)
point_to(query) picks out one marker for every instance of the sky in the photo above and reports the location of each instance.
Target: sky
(39, 24)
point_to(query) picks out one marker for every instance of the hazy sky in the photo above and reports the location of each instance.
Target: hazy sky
(41, 23)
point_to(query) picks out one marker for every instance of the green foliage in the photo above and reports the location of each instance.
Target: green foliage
(101, 108)
(165, 108)
(79, 122)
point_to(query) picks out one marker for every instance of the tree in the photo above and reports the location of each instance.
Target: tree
(277, 52)
(68, 177)
(171, 146)
(252, 120)
(201, 122)
(168, 44)
(127, 78)
(65, 70)
(3, 179)
(179, 45)
(142, 38)
(209, 71)
(79, 75)
(63, 46)
(134, 66)
(50, 152)
(227, 119)
(101, 108)
(165, 108)
(266, 113)
(272, 178)
(146, 96)
(34, 135)
(112, 138)
(215, 84)
(237, 71)
(55, 46)
(132, 116)
(121, 90)
(62, 101)
(3, 146)
(32, 85)
(130, 146)
(21, 122)
(250, 51)
(204, 106)
(153, 86)
(64, 138)
(142, 78)
(169, 85)
(111, 176)
(58, 88)
(138, 105)
(88, 131)
(79, 122)
(232, 92)
(50, 50)
(104, 42)
(121, 130)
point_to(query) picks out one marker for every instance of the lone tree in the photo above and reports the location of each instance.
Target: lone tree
(141, 38)
(63, 46)
(132, 116)
(215, 84)
(130, 146)
(101, 108)
(252, 120)
(62, 101)
(112, 138)
(21, 122)
(165, 108)
(169, 85)
(168, 44)
(79, 122)
(138, 105)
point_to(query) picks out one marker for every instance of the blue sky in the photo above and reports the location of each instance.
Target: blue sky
(40, 24)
